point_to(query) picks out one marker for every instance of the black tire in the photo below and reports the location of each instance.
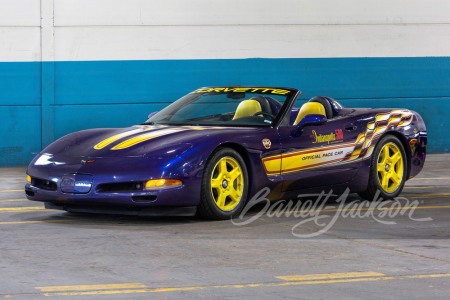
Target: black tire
(208, 208)
(374, 185)
(326, 104)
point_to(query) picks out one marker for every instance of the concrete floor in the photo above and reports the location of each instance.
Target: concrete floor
(52, 253)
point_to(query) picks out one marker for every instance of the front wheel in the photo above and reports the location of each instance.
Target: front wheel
(224, 186)
(387, 170)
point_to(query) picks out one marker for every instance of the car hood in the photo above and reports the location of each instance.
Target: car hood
(152, 141)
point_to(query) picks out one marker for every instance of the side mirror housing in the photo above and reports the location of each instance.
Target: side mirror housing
(152, 114)
(310, 120)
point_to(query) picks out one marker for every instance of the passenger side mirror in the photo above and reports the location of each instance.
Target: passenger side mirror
(311, 120)
(152, 114)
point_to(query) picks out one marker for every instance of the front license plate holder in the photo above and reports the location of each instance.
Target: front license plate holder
(76, 183)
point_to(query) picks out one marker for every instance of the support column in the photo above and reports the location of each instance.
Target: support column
(47, 72)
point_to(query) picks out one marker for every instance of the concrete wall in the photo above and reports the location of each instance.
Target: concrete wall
(67, 65)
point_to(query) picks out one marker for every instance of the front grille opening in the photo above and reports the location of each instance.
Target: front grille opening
(29, 193)
(43, 184)
(143, 198)
(118, 187)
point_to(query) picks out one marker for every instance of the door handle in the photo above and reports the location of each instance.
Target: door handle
(350, 127)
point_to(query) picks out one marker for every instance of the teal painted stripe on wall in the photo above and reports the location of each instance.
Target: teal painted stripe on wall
(148, 81)
(20, 134)
(20, 112)
(102, 115)
(20, 83)
(80, 95)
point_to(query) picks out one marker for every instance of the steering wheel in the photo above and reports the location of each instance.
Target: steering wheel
(266, 114)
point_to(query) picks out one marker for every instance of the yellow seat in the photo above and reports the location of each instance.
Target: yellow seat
(247, 108)
(310, 108)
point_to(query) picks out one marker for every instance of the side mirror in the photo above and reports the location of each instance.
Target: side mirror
(311, 120)
(152, 114)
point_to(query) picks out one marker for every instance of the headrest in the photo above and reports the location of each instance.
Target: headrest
(247, 108)
(310, 108)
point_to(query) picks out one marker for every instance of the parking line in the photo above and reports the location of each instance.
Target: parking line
(442, 195)
(329, 276)
(7, 191)
(240, 286)
(367, 208)
(14, 200)
(21, 209)
(429, 178)
(90, 287)
(35, 222)
(38, 208)
(427, 187)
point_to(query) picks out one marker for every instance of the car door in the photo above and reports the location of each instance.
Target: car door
(317, 155)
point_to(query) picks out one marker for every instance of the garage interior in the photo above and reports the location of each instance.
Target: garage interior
(70, 65)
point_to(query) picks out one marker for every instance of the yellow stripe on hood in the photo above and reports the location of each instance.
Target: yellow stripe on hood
(144, 137)
(119, 136)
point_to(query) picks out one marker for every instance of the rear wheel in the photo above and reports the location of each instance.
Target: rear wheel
(387, 170)
(224, 185)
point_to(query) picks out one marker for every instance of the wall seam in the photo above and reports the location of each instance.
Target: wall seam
(47, 72)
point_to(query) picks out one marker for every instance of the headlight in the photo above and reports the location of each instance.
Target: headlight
(29, 179)
(160, 184)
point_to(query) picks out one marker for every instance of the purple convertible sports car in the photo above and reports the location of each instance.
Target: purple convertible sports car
(212, 150)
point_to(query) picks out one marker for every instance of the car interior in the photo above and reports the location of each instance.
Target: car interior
(251, 107)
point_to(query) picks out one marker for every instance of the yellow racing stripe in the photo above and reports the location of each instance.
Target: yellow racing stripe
(122, 135)
(144, 137)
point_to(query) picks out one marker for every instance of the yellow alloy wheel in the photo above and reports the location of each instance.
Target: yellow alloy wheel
(390, 167)
(227, 183)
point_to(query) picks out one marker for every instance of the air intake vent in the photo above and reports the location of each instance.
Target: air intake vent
(120, 187)
(143, 198)
(43, 184)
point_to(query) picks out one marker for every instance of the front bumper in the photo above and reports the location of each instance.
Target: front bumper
(155, 211)
(180, 201)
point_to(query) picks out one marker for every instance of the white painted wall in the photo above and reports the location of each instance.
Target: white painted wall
(196, 29)
(19, 30)
(249, 12)
(19, 13)
(222, 42)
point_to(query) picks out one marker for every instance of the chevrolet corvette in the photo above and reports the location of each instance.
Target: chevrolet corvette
(209, 152)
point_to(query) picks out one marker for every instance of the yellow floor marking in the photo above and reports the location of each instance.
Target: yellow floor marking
(34, 222)
(429, 178)
(443, 195)
(427, 187)
(14, 200)
(21, 209)
(329, 276)
(90, 287)
(37, 208)
(6, 191)
(367, 208)
(239, 286)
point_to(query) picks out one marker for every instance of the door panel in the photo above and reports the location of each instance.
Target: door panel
(318, 155)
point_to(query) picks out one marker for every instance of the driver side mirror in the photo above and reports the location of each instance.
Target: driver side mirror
(152, 114)
(310, 120)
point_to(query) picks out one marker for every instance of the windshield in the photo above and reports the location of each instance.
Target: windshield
(249, 106)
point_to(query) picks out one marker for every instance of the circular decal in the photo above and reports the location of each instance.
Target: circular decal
(266, 143)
